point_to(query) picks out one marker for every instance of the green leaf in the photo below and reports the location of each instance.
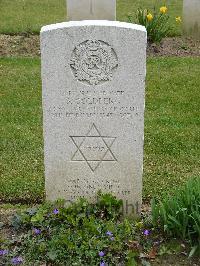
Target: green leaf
(1, 225)
(145, 263)
(193, 250)
(52, 255)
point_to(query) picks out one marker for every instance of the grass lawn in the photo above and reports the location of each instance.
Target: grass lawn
(172, 139)
(21, 136)
(18, 16)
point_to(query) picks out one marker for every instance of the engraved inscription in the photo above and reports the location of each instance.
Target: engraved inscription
(91, 187)
(92, 103)
(93, 148)
(93, 62)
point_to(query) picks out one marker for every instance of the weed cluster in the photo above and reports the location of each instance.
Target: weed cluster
(81, 234)
(179, 215)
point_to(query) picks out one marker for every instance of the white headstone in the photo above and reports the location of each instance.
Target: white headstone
(91, 9)
(191, 18)
(93, 75)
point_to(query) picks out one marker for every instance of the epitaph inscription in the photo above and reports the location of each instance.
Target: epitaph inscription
(93, 62)
(93, 148)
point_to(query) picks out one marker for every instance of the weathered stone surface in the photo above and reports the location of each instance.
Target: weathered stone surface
(191, 18)
(91, 9)
(93, 75)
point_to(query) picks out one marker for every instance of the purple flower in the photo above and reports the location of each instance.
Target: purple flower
(101, 253)
(146, 232)
(3, 252)
(36, 231)
(108, 233)
(102, 263)
(56, 211)
(112, 238)
(16, 260)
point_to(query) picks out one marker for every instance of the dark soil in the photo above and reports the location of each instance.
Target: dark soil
(175, 260)
(176, 46)
(29, 46)
(19, 45)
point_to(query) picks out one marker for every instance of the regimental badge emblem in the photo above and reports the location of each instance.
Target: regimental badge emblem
(93, 62)
(93, 148)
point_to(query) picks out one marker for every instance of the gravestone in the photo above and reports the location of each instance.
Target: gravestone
(93, 75)
(91, 9)
(191, 18)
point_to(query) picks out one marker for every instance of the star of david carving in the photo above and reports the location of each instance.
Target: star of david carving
(93, 148)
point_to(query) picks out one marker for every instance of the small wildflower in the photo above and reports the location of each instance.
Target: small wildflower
(146, 232)
(16, 260)
(3, 252)
(178, 19)
(102, 263)
(36, 231)
(163, 9)
(101, 254)
(139, 224)
(108, 233)
(56, 211)
(149, 17)
(112, 238)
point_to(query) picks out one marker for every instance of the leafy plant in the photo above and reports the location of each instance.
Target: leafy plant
(81, 234)
(156, 24)
(179, 215)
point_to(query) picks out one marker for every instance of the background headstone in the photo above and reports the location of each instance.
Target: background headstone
(191, 18)
(93, 75)
(91, 9)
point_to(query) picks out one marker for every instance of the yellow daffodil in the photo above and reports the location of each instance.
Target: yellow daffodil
(178, 19)
(163, 9)
(149, 17)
